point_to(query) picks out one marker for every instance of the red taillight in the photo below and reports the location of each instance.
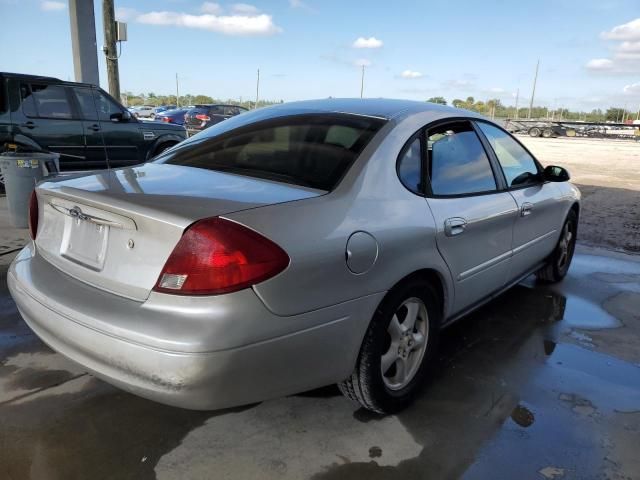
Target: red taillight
(203, 117)
(33, 215)
(166, 119)
(217, 256)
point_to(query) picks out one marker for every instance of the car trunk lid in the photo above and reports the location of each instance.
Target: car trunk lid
(115, 229)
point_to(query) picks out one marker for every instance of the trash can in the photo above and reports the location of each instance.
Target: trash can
(20, 174)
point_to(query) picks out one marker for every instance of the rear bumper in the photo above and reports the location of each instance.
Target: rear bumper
(202, 353)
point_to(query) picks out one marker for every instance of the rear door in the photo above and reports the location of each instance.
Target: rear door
(49, 119)
(473, 214)
(539, 218)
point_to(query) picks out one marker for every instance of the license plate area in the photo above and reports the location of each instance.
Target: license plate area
(85, 242)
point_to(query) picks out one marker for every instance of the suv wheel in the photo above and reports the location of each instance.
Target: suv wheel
(397, 349)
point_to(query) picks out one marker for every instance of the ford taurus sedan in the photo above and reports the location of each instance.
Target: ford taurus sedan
(289, 248)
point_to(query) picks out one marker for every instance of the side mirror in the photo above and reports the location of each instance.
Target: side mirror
(120, 116)
(553, 173)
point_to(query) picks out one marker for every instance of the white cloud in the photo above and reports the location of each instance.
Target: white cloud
(411, 74)
(600, 64)
(51, 6)
(497, 90)
(633, 89)
(126, 14)
(211, 7)
(237, 24)
(627, 31)
(371, 42)
(362, 62)
(244, 9)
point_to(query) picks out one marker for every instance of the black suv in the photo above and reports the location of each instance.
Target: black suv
(81, 122)
(203, 116)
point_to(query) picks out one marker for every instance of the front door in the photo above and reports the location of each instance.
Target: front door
(123, 140)
(474, 218)
(96, 153)
(536, 229)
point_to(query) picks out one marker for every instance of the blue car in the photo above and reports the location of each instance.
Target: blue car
(175, 116)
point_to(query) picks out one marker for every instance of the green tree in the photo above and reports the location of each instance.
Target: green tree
(439, 100)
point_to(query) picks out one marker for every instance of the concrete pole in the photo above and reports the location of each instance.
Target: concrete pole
(517, 98)
(533, 93)
(111, 53)
(362, 82)
(83, 41)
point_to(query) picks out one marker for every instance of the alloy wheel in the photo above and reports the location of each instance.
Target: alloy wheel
(408, 332)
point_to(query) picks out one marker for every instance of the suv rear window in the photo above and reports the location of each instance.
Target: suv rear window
(309, 150)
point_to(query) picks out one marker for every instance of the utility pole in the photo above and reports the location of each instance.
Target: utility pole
(110, 51)
(624, 112)
(638, 115)
(517, 98)
(257, 89)
(362, 82)
(533, 92)
(177, 92)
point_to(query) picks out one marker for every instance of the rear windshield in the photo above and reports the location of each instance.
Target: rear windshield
(309, 150)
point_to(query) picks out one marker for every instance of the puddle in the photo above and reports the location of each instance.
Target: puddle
(583, 314)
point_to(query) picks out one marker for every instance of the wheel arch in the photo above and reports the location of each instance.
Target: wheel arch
(435, 279)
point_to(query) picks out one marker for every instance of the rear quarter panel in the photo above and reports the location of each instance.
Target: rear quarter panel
(314, 232)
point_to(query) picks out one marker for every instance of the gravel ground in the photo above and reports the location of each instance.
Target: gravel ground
(608, 174)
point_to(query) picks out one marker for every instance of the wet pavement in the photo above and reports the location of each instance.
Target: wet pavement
(542, 383)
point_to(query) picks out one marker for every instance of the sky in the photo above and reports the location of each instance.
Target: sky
(589, 50)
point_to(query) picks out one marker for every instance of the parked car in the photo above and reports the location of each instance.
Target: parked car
(145, 111)
(173, 116)
(203, 116)
(163, 108)
(81, 122)
(289, 248)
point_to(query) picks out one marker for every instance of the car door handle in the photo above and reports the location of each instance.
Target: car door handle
(454, 226)
(95, 127)
(526, 209)
(29, 125)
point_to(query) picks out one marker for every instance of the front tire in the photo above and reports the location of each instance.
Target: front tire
(559, 262)
(397, 349)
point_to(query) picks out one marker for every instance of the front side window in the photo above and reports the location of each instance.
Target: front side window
(106, 107)
(518, 166)
(457, 162)
(51, 101)
(410, 166)
(309, 150)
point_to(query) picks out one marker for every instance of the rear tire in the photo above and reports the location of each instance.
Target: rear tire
(397, 349)
(560, 260)
(534, 132)
(547, 133)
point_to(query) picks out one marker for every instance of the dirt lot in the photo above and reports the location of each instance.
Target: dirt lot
(608, 174)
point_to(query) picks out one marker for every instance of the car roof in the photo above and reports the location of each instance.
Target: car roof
(43, 78)
(371, 107)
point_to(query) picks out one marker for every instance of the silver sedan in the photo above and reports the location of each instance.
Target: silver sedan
(290, 248)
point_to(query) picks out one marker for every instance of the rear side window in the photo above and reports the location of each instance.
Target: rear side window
(51, 101)
(410, 166)
(309, 150)
(518, 166)
(457, 162)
